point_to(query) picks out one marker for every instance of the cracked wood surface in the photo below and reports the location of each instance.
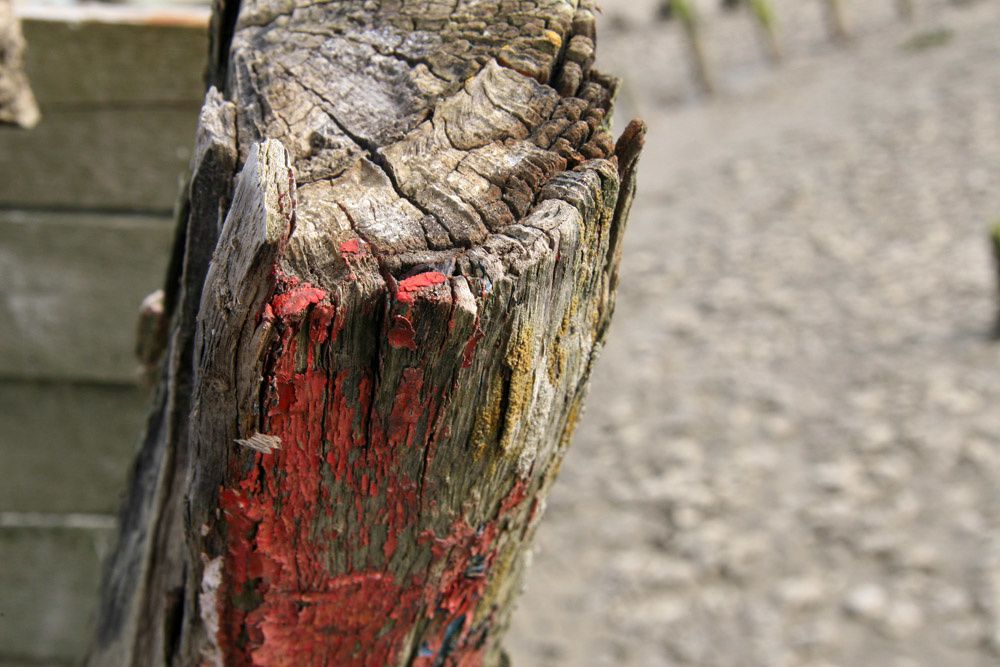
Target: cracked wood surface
(395, 264)
(17, 104)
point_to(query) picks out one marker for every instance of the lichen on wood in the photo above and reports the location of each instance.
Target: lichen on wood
(373, 380)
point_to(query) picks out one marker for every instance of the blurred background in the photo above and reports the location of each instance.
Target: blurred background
(791, 451)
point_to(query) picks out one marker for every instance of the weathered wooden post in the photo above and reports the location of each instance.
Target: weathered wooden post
(17, 104)
(395, 264)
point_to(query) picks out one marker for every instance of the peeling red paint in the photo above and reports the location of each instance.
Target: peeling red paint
(284, 601)
(469, 353)
(402, 334)
(294, 296)
(408, 288)
(351, 247)
(268, 314)
(319, 323)
(514, 497)
(297, 300)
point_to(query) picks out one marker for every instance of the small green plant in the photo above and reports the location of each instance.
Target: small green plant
(928, 39)
(763, 11)
(686, 13)
(684, 10)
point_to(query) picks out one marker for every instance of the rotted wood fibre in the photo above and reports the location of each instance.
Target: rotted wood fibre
(395, 264)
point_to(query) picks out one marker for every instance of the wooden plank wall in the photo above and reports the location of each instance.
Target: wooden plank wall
(85, 229)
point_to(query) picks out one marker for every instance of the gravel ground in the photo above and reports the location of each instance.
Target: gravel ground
(791, 452)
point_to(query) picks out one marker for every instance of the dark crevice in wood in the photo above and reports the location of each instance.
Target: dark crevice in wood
(223, 26)
(173, 622)
(175, 267)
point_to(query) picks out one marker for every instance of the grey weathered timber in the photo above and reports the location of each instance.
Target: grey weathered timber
(395, 265)
(17, 103)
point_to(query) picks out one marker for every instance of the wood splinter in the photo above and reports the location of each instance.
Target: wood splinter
(265, 444)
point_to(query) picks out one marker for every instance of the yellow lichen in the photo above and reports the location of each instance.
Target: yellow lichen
(554, 38)
(571, 420)
(520, 361)
(484, 431)
(557, 355)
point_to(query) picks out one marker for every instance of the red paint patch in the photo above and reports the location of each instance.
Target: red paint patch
(402, 334)
(514, 497)
(296, 300)
(319, 323)
(284, 600)
(407, 289)
(469, 353)
(352, 247)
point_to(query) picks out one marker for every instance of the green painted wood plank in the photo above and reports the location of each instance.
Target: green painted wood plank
(123, 159)
(114, 64)
(70, 444)
(49, 581)
(72, 287)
